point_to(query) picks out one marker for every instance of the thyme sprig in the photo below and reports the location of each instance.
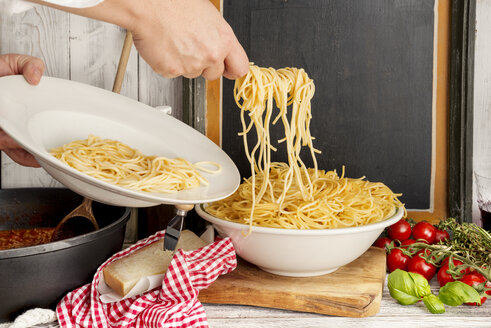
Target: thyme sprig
(469, 239)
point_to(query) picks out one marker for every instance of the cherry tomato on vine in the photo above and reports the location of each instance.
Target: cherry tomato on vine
(407, 242)
(396, 259)
(401, 230)
(418, 264)
(382, 242)
(424, 230)
(441, 235)
(443, 276)
(425, 251)
(474, 280)
(456, 263)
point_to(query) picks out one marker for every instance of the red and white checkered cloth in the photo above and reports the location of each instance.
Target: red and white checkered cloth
(176, 304)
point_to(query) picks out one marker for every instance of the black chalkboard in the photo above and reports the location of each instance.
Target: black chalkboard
(372, 64)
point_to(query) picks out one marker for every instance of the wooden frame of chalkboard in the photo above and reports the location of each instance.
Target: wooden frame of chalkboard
(452, 126)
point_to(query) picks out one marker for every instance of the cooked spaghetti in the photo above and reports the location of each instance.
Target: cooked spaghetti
(119, 164)
(290, 195)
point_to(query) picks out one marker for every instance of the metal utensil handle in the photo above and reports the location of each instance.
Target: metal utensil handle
(184, 207)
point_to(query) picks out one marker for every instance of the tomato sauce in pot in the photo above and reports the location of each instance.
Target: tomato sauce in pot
(25, 237)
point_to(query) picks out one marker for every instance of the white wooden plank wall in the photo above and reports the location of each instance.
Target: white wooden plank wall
(482, 94)
(95, 48)
(156, 90)
(83, 50)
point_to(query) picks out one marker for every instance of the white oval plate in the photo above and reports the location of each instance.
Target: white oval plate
(59, 111)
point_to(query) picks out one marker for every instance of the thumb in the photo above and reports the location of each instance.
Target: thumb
(31, 67)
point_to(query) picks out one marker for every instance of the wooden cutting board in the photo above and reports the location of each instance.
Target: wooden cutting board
(354, 290)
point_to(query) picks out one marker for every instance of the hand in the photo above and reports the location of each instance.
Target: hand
(175, 37)
(32, 68)
(189, 38)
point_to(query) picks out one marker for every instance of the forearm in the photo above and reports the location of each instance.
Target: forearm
(124, 13)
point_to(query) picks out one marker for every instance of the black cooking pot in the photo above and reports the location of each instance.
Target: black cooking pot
(39, 276)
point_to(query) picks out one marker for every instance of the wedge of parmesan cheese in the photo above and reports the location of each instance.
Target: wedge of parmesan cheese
(123, 274)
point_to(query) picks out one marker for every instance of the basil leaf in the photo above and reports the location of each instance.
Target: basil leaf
(455, 293)
(421, 286)
(434, 304)
(403, 297)
(406, 287)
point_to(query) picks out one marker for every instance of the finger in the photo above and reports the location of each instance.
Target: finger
(31, 67)
(236, 62)
(213, 73)
(22, 157)
(5, 68)
(6, 142)
(193, 75)
(15, 152)
(167, 72)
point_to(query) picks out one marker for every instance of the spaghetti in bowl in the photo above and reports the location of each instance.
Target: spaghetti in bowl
(299, 252)
(287, 218)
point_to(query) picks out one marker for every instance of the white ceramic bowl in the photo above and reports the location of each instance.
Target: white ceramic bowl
(299, 253)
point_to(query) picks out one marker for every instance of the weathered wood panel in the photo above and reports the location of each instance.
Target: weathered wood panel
(482, 96)
(95, 48)
(391, 314)
(156, 90)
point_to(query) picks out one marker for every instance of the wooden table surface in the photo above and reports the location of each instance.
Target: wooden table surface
(391, 314)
